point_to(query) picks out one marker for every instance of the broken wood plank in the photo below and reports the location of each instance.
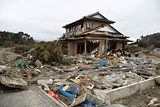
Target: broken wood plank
(75, 81)
(74, 101)
(66, 88)
(79, 99)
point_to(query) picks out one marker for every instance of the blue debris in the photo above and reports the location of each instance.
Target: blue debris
(89, 103)
(148, 62)
(136, 63)
(145, 63)
(73, 90)
(70, 96)
(95, 78)
(120, 66)
(102, 63)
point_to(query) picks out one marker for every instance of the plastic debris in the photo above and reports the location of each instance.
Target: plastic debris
(90, 87)
(102, 63)
(95, 78)
(45, 81)
(120, 66)
(20, 64)
(73, 90)
(70, 96)
(89, 103)
(53, 95)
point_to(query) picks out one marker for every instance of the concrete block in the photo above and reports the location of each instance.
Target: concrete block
(12, 82)
(133, 88)
(94, 98)
(119, 93)
(146, 84)
(126, 91)
(100, 93)
(45, 81)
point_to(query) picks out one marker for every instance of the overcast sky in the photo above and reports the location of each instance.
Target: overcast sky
(43, 19)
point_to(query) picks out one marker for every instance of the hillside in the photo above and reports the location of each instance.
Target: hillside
(9, 39)
(152, 40)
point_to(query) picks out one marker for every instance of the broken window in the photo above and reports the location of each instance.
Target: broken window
(112, 45)
(82, 25)
(74, 29)
(67, 30)
(79, 28)
(80, 48)
(92, 45)
(89, 25)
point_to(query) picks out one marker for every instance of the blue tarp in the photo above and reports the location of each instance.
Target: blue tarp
(73, 90)
(102, 63)
(70, 96)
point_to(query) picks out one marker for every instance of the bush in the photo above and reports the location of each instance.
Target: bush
(9, 39)
(134, 48)
(49, 52)
(22, 48)
(67, 61)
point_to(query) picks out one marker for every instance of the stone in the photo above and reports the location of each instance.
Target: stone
(13, 82)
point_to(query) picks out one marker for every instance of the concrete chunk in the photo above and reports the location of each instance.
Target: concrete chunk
(45, 81)
(125, 91)
(94, 98)
(13, 82)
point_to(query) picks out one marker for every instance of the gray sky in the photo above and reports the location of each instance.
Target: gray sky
(43, 19)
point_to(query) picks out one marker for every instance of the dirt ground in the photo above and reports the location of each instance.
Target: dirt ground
(142, 99)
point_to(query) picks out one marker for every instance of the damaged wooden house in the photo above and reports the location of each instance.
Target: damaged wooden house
(90, 33)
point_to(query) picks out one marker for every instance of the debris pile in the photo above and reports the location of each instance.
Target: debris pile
(75, 84)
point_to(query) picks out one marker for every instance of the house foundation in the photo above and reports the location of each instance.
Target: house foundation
(125, 91)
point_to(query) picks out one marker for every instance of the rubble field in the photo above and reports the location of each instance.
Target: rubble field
(149, 97)
(77, 84)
